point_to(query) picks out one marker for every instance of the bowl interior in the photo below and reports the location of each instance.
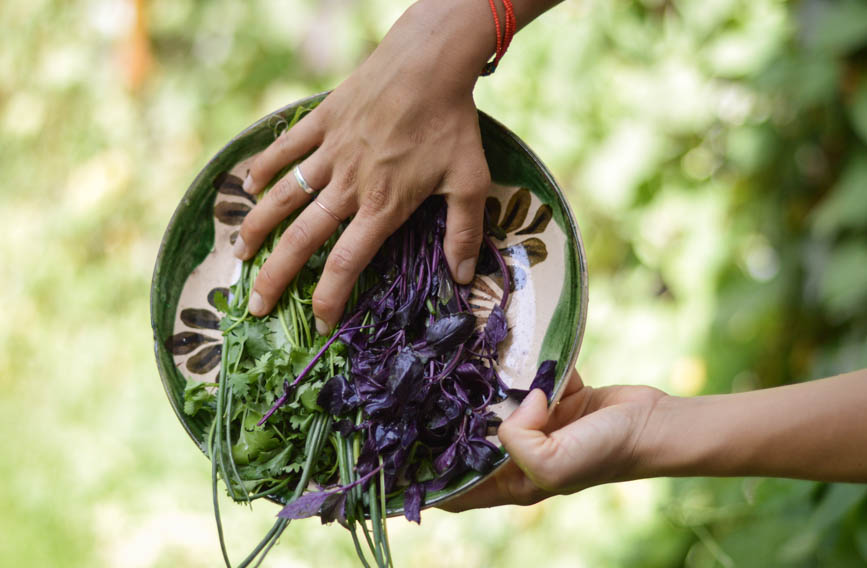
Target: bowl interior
(546, 312)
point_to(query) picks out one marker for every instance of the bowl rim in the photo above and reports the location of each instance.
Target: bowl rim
(576, 242)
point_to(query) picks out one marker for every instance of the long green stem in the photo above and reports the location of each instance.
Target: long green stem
(376, 523)
(215, 494)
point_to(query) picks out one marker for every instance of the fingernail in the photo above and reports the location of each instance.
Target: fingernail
(256, 304)
(248, 183)
(466, 270)
(240, 249)
(322, 328)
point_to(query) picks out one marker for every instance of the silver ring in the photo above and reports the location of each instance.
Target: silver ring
(299, 177)
(327, 210)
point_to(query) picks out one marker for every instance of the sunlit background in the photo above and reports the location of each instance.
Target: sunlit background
(714, 155)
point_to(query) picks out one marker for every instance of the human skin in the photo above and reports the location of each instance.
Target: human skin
(402, 127)
(813, 430)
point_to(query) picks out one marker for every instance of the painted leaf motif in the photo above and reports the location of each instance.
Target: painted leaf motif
(200, 319)
(528, 252)
(186, 342)
(205, 360)
(231, 212)
(229, 184)
(516, 210)
(540, 221)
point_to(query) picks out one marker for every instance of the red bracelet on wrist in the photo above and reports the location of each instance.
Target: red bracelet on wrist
(503, 38)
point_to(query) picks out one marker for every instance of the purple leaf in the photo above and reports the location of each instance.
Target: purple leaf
(446, 460)
(479, 454)
(406, 372)
(413, 497)
(334, 508)
(495, 329)
(448, 332)
(338, 396)
(545, 378)
(305, 506)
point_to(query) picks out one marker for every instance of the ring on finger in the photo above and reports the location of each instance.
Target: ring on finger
(331, 213)
(299, 177)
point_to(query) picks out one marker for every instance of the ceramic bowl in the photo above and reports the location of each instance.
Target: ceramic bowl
(546, 312)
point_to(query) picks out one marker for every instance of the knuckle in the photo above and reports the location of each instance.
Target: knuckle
(376, 198)
(267, 282)
(467, 236)
(341, 261)
(281, 193)
(298, 234)
(284, 141)
(322, 305)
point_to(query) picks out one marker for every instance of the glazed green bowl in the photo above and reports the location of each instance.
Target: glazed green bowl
(546, 313)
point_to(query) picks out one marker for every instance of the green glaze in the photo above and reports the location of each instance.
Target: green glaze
(189, 238)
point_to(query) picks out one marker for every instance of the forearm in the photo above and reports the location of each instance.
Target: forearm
(814, 430)
(462, 32)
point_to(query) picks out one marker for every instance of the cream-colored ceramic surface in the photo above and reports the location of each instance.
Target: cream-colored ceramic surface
(528, 314)
(219, 269)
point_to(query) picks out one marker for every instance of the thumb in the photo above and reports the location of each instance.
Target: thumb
(522, 434)
(464, 228)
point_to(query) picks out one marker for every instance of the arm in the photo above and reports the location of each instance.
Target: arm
(815, 430)
(403, 126)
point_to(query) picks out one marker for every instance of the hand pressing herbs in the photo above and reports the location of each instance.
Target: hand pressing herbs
(393, 404)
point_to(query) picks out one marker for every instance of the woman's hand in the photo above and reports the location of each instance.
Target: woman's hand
(590, 438)
(403, 126)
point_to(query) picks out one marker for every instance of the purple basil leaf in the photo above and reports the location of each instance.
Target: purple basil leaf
(368, 459)
(305, 506)
(385, 437)
(338, 396)
(545, 378)
(445, 460)
(413, 497)
(334, 508)
(479, 454)
(495, 329)
(407, 372)
(448, 332)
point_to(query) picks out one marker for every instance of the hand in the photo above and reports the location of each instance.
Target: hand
(590, 438)
(402, 127)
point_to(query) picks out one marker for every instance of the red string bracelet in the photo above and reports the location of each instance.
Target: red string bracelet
(504, 38)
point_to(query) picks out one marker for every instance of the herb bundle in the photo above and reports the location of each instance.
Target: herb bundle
(395, 402)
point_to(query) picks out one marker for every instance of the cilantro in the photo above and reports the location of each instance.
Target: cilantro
(197, 396)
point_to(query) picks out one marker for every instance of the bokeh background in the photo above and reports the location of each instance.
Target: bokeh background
(714, 154)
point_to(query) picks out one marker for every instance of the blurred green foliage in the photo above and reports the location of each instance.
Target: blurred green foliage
(714, 153)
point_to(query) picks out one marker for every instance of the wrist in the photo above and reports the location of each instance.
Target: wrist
(460, 34)
(675, 442)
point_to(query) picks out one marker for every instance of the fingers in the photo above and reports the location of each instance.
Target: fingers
(281, 200)
(508, 486)
(522, 433)
(300, 240)
(287, 148)
(464, 224)
(351, 254)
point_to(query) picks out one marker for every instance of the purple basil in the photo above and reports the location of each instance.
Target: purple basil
(338, 396)
(413, 497)
(544, 380)
(305, 506)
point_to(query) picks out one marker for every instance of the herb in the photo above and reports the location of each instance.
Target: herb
(394, 402)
